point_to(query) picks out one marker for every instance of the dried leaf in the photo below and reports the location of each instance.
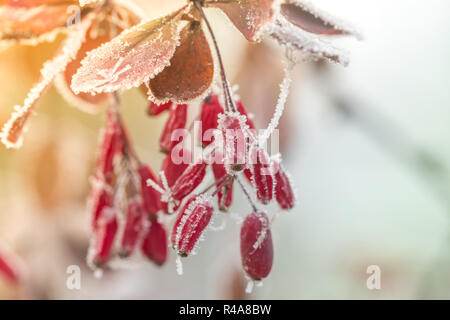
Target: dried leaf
(12, 131)
(132, 58)
(191, 69)
(293, 38)
(247, 15)
(106, 26)
(31, 22)
(84, 101)
(304, 15)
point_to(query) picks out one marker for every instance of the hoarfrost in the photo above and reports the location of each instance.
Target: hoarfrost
(298, 11)
(132, 58)
(12, 131)
(179, 265)
(294, 38)
(279, 108)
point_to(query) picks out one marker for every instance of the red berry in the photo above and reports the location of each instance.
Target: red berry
(235, 140)
(110, 145)
(134, 224)
(154, 245)
(171, 170)
(9, 267)
(211, 109)
(196, 218)
(179, 219)
(177, 120)
(225, 193)
(283, 188)
(104, 236)
(155, 109)
(189, 180)
(100, 198)
(262, 177)
(151, 197)
(256, 246)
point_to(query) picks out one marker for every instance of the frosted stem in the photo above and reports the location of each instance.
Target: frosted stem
(281, 103)
(179, 266)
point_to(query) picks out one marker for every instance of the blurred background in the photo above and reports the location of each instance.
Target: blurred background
(367, 147)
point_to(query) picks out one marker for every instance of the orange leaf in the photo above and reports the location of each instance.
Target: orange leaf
(247, 15)
(30, 21)
(132, 58)
(191, 69)
(102, 31)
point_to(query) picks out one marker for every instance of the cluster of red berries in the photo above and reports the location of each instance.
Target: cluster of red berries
(230, 147)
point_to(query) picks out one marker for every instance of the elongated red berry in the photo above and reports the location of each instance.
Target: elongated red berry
(196, 218)
(9, 266)
(209, 114)
(181, 213)
(177, 120)
(262, 177)
(155, 109)
(134, 224)
(104, 236)
(110, 145)
(154, 245)
(256, 246)
(283, 187)
(100, 198)
(172, 170)
(151, 198)
(189, 180)
(241, 109)
(225, 193)
(235, 140)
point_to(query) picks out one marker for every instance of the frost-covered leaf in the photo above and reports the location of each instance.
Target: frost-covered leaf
(132, 58)
(293, 38)
(105, 27)
(247, 15)
(12, 131)
(30, 22)
(305, 15)
(191, 69)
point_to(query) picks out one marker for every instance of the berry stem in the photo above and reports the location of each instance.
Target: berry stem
(229, 103)
(247, 194)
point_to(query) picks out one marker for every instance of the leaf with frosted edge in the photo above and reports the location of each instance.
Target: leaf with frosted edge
(305, 15)
(31, 22)
(84, 101)
(191, 69)
(101, 32)
(248, 16)
(132, 58)
(12, 131)
(293, 38)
